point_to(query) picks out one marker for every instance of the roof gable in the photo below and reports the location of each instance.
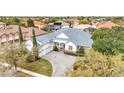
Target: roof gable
(62, 35)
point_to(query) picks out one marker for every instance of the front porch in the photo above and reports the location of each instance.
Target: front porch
(60, 44)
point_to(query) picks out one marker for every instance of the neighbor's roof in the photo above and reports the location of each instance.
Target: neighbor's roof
(37, 31)
(76, 36)
(83, 26)
(12, 29)
(107, 24)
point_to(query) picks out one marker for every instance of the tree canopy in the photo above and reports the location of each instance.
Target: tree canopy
(11, 20)
(96, 64)
(35, 47)
(109, 41)
(30, 23)
(53, 19)
(20, 36)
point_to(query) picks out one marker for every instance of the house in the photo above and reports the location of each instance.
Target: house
(2, 25)
(39, 24)
(105, 24)
(85, 27)
(10, 33)
(76, 21)
(66, 39)
(57, 25)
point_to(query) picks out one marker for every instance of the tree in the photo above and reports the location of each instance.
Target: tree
(85, 21)
(53, 19)
(109, 41)
(15, 56)
(96, 64)
(9, 55)
(81, 51)
(17, 21)
(30, 23)
(34, 48)
(20, 36)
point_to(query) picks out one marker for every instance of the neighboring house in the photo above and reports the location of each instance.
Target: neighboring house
(66, 39)
(57, 25)
(10, 33)
(39, 24)
(2, 25)
(85, 27)
(76, 21)
(105, 24)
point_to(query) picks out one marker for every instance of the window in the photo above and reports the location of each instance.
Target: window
(70, 47)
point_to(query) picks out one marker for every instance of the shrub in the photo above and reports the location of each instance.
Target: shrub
(81, 51)
(30, 58)
(96, 64)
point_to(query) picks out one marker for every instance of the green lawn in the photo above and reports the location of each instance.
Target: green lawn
(41, 66)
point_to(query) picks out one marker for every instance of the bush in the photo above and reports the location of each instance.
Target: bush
(96, 64)
(122, 57)
(30, 58)
(55, 48)
(81, 51)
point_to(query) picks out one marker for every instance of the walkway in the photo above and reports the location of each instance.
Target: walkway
(33, 74)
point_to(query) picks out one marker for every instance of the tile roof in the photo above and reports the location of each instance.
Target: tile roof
(11, 29)
(37, 31)
(15, 29)
(107, 24)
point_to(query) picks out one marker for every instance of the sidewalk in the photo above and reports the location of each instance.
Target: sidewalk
(25, 71)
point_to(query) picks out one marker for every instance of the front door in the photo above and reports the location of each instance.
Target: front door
(62, 45)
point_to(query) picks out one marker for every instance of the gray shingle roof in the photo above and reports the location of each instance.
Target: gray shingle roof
(76, 36)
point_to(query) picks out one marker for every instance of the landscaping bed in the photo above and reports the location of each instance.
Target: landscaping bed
(73, 53)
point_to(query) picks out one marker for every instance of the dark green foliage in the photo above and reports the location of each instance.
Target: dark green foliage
(70, 25)
(81, 51)
(11, 20)
(109, 41)
(122, 57)
(20, 36)
(53, 19)
(34, 38)
(30, 23)
(34, 48)
(55, 48)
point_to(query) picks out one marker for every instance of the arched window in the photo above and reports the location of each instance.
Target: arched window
(10, 36)
(4, 38)
(16, 36)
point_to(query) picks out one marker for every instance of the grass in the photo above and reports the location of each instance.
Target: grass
(21, 74)
(40, 66)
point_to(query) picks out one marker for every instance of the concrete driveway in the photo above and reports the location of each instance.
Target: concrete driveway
(60, 62)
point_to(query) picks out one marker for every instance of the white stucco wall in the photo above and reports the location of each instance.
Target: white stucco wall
(46, 48)
(43, 50)
(65, 26)
(74, 49)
